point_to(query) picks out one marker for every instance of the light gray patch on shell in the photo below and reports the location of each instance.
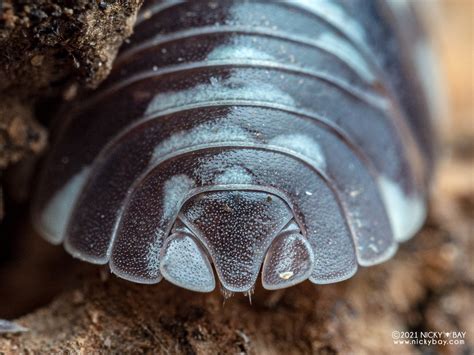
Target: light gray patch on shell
(206, 168)
(303, 145)
(406, 213)
(215, 132)
(238, 50)
(234, 175)
(347, 53)
(153, 255)
(233, 88)
(333, 13)
(175, 191)
(185, 264)
(56, 214)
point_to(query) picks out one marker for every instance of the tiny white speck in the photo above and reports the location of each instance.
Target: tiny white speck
(286, 275)
(147, 14)
(355, 193)
(155, 68)
(309, 193)
(373, 247)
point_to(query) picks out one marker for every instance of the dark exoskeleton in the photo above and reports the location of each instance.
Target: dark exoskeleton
(289, 136)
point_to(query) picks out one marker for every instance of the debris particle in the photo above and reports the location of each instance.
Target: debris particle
(37, 60)
(355, 193)
(77, 297)
(94, 316)
(8, 327)
(107, 342)
(286, 275)
(147, 14)
(70, 92)
(102, 5)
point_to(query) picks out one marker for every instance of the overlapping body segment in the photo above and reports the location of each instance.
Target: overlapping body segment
(238, 137)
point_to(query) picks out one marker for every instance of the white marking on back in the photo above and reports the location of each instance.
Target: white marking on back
(234, 175)
(236, 50)
(214, 132)
(303, 145)
(406, 213)
(175, 191)
(56, 214)
(233, 88)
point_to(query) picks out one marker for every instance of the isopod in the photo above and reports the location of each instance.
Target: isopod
(292, 137)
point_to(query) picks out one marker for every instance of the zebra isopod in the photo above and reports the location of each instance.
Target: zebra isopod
(231, 137)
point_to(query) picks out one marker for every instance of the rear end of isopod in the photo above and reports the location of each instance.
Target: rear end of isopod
(233, 138)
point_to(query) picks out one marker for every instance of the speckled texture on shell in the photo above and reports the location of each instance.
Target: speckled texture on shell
(230, 135)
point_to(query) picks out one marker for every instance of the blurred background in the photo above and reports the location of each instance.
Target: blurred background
(451, 23)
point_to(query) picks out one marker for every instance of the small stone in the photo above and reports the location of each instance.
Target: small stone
(147, 14)
(70, 92)
(94, 316)
(107, 342)
(37, 60)
(77, 297)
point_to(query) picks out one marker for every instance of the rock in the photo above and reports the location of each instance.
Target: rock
(45, 43)
(47, 50)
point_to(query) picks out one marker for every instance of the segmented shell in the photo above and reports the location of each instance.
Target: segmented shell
(231, 135)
